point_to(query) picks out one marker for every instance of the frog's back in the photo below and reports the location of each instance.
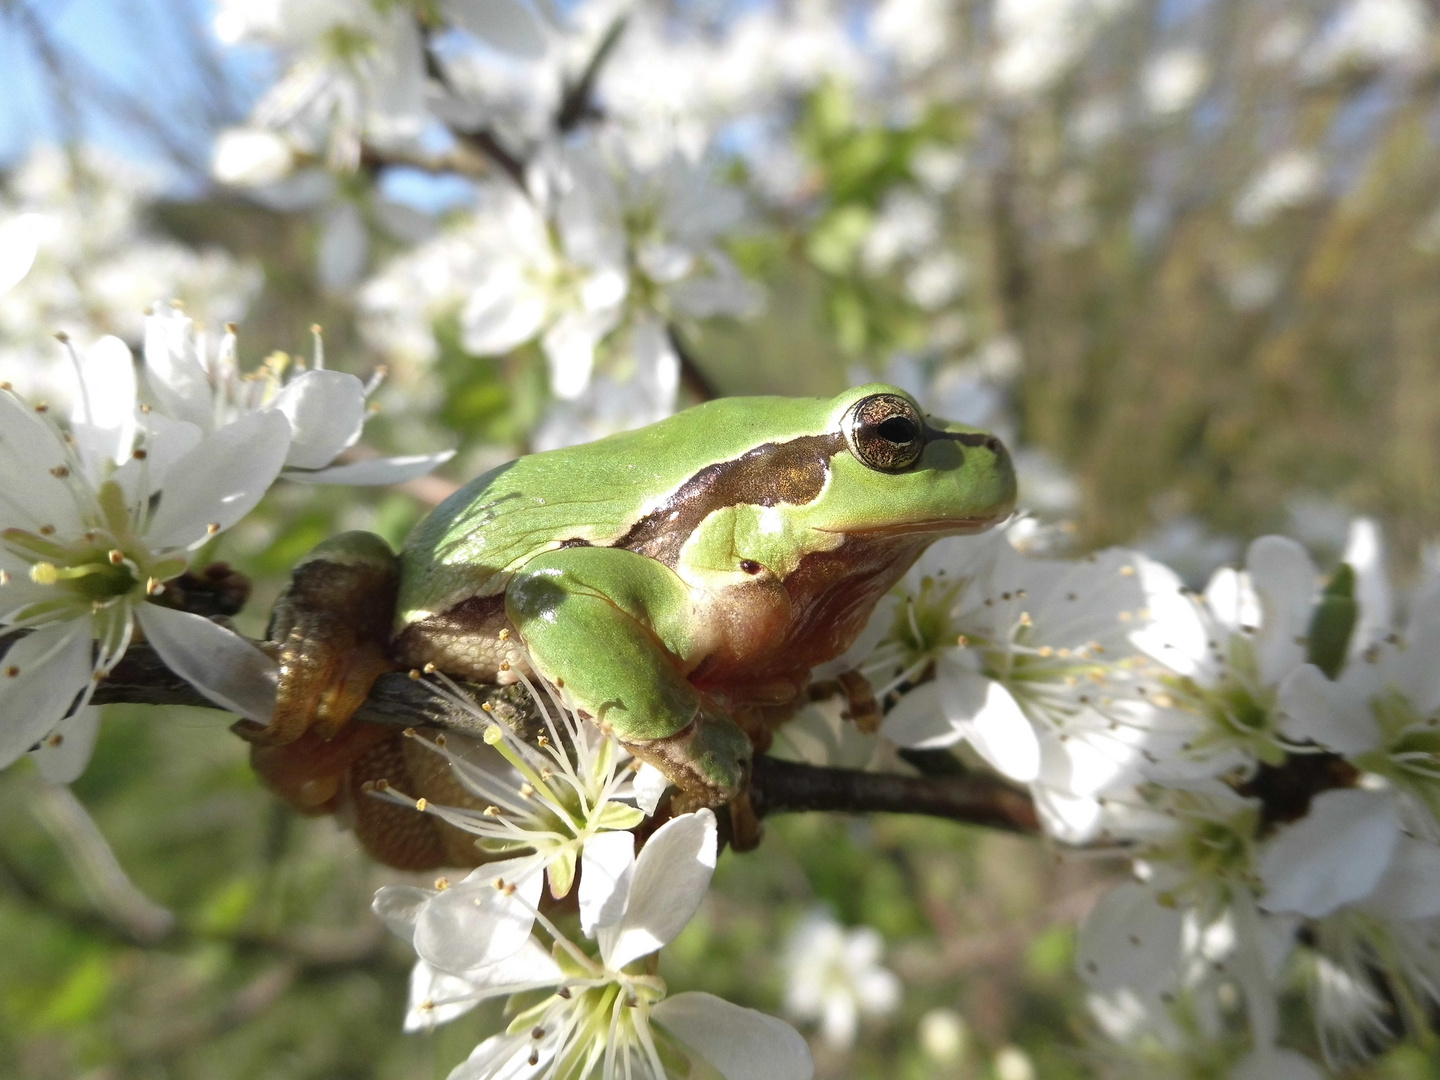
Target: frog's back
(476, 539)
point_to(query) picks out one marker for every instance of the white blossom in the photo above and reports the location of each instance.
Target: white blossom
(607, 1016)
(834, 976)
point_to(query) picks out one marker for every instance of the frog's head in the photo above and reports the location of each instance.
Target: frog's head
(904, 473)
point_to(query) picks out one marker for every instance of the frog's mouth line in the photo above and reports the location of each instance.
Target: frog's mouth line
(903, 528)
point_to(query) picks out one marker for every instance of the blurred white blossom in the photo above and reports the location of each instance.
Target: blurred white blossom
(834, 976)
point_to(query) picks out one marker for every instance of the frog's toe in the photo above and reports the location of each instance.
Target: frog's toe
(709, 760)
(331, 635)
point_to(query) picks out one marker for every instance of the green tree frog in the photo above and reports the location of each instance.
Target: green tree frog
(679, 582)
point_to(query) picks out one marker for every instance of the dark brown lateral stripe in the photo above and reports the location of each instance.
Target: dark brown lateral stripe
(964, 438)
(791, 472)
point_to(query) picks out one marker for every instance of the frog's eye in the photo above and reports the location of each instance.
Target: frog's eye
(885, 432)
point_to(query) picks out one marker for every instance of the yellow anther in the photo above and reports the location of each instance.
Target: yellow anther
(44, 573)
(116, 556)
(421, 804)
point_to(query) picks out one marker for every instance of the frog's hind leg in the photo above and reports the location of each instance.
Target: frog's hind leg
(331, 634)
(611, 628)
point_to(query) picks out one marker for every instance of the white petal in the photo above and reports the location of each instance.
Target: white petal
(53, 666)
(399, 906)
(503, 312)
(1130, 941)
(222, 665)
(1232, 600)
(649, 784)
(174, 371)
(103, 419)
(1329, 713)
(997, 729)
(1175, 634)
(503, 1057)
(65, 761)
(326, 410)
(166, 442)
(249, 157)
(1272, 1063)
(474, 924)
(220, 481)
(389, 470)
(436, 998)
(507, 24)
(31, 495)
(917, 721)
(1365, 554)
(1334, 855)
(344, 247)
(740, 1043)
(606, 864)
(1285, 581)
(1415, 672)
(670, 879)
(19, 241)
(570, 347)
(1410, 888)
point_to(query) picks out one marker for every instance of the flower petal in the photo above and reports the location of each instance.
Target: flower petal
(388, 470)
(103, 419)
(219, 663)
(1285, 580)
(62, 756)
(740, 1043)
(399, 906)
(1130, 941)
(1365, 554)
(1334, 855)
(32, 462)
(649, 784)
(670, 879)
(220, 481)
(436, 998)
(606, 864)
(174, 371)
(40, 676)
(997, 729)
(1310, 706)
(1410, 888)
(917, 721)
(326, 410)
(19, 241)
(476, 923)
(507, 24)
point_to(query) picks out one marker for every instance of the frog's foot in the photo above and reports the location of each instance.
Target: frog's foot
(861, 707)
(340, 776)
(331, 635)
(708, 760)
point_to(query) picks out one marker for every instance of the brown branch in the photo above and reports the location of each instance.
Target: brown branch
(777, 787)
(790, 787)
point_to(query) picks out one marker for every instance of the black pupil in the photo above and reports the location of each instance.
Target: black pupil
(898, 430)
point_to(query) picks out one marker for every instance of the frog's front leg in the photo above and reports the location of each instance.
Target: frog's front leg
(613, 628)
(331, 632)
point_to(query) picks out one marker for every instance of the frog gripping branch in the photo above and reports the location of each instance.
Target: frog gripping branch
(679, 582)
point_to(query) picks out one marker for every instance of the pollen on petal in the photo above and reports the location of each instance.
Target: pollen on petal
(12, 671)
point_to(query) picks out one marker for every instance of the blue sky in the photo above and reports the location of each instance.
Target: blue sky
(142, 77)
